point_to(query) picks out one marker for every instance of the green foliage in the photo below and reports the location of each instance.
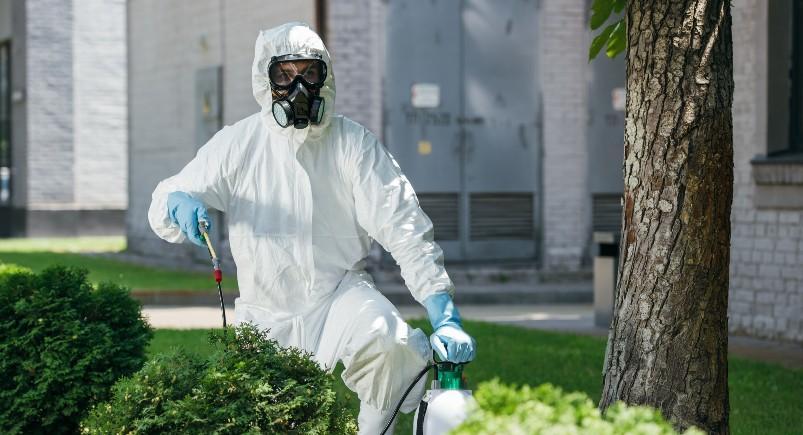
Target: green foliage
(547, 409)
(63, 344)
(614, 36)
(249, 385)
(7, 270)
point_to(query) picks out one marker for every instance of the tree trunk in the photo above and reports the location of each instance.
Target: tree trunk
(668, 342)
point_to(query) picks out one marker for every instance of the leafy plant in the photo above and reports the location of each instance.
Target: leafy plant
(614, 36)
(63, 344)
(548, 410)
(249, 385)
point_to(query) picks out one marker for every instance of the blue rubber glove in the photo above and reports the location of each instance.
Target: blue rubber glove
(449, 341)
(186, 211)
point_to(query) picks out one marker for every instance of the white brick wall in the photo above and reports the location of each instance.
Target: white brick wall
(49, 100)
(564, 70)
(355, 38)
(75, 105)
(100, 123)
(766, 288)
(168, 43)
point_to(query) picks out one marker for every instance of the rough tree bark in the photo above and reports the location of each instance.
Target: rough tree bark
(667, 345)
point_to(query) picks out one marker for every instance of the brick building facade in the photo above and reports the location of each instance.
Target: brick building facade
(67, 134)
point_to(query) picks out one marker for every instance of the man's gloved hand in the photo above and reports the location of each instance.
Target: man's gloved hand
(449, 341)
(186, 211)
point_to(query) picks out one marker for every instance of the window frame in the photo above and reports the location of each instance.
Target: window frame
(6, 155)
(795, 120)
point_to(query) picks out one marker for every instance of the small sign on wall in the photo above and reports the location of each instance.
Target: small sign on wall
(618, 99)
(208, 103)
(424, 147)
(425, 95)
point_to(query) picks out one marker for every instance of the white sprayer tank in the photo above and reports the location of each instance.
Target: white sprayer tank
(441, 411)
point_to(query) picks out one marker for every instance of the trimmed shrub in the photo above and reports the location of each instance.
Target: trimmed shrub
(502, 409)
(63, 344)
(11, 269)
(249, 385)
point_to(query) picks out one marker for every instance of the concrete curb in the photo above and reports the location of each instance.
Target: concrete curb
(185, 298)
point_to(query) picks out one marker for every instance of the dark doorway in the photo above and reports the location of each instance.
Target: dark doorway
(5, 140)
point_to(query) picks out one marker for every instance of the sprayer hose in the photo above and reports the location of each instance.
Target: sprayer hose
(222, 306)
(404, 396)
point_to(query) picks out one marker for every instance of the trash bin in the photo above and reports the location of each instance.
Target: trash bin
(606, 261)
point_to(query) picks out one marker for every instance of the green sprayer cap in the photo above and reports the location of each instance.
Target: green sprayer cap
(450, 376)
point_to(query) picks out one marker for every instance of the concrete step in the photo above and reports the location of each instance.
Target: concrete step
(499, 273)
(508, 293)
(491, 294)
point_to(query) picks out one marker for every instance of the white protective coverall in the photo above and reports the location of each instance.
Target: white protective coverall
(302, 208)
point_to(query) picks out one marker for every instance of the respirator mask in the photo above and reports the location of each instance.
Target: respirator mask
(296, 81)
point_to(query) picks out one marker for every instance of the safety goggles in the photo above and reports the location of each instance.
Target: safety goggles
(283, 70)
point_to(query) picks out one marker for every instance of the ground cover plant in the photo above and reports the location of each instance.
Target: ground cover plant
(765, 398)
(546, 409)
(246, 384)
(63, 344)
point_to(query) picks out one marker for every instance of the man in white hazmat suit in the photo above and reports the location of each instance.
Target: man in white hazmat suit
(305, 191)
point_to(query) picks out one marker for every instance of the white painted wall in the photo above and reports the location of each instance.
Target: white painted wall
(168, 42)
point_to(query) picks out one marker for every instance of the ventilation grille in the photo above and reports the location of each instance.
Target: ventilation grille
(442, 208)
(502, 216)
(606, 214)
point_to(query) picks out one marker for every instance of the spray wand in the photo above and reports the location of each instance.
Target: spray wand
(218, 274)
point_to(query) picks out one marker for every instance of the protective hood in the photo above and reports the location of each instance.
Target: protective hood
(289, 38)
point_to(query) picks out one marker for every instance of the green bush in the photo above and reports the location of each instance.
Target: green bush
(63, 344)
(7, 270)
(548, 410)
(249, 385)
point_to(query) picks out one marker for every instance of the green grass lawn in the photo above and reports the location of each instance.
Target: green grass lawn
(39, 253)
(764, 398)
(64, 244)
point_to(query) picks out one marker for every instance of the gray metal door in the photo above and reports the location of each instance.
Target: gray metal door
(462, 118)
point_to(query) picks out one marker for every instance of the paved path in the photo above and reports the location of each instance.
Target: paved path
(573, 318)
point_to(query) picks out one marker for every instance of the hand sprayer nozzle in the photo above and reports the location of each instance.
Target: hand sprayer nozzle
(218, 274)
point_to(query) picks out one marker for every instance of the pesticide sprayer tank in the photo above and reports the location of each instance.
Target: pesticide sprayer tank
(444, 410)
(444, 406)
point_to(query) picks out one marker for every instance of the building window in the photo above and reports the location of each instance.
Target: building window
(785, 78)
(796, 79)
(778, 175)
(5, 123)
